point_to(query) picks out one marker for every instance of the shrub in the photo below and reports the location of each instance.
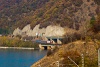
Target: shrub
(74, 55)
(71, 37)
(97, 36)
(96, 26)
(97, 2)
(92, 21)
(91, 62)
(16, 42)
(49, 52)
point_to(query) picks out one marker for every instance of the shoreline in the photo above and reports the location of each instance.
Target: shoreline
(24, 48)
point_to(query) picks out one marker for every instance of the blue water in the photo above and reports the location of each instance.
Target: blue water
(19, 58)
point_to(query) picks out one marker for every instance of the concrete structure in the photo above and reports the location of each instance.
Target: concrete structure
(46, 46)
(51, 42)
(55, 39)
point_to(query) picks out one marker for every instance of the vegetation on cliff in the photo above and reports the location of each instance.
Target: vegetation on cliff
(19, 13)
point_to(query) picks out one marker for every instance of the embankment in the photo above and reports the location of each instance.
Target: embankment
(77, 48)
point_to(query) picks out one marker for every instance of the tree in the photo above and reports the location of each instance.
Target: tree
(96, 26)
(92, 21)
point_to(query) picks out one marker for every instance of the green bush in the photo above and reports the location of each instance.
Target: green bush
(15, 42)
(91, 62)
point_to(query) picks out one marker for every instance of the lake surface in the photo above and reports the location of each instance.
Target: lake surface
(20, 58)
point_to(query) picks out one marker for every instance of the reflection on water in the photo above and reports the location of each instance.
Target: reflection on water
(20, 58)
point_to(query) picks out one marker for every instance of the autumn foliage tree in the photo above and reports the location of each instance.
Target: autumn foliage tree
(96, 26)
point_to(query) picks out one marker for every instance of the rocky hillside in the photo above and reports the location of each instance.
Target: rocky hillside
(73, 14)
(18, 13)
(74, 51)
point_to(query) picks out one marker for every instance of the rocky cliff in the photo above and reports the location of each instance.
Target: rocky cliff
(48, 31)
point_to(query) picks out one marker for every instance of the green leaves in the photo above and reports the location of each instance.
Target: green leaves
(4, 31)
(16, 42)
(92, 21)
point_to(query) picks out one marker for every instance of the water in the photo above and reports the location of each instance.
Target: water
(19, 58)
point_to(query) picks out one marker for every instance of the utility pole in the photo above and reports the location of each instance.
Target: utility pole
(58, 65)
(99, 57)
(82, 60)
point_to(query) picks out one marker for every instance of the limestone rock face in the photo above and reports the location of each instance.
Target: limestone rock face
(37, 30)
(48, 31)
(29, 32)
(54, 31)
(26, 28)
(17, 32)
